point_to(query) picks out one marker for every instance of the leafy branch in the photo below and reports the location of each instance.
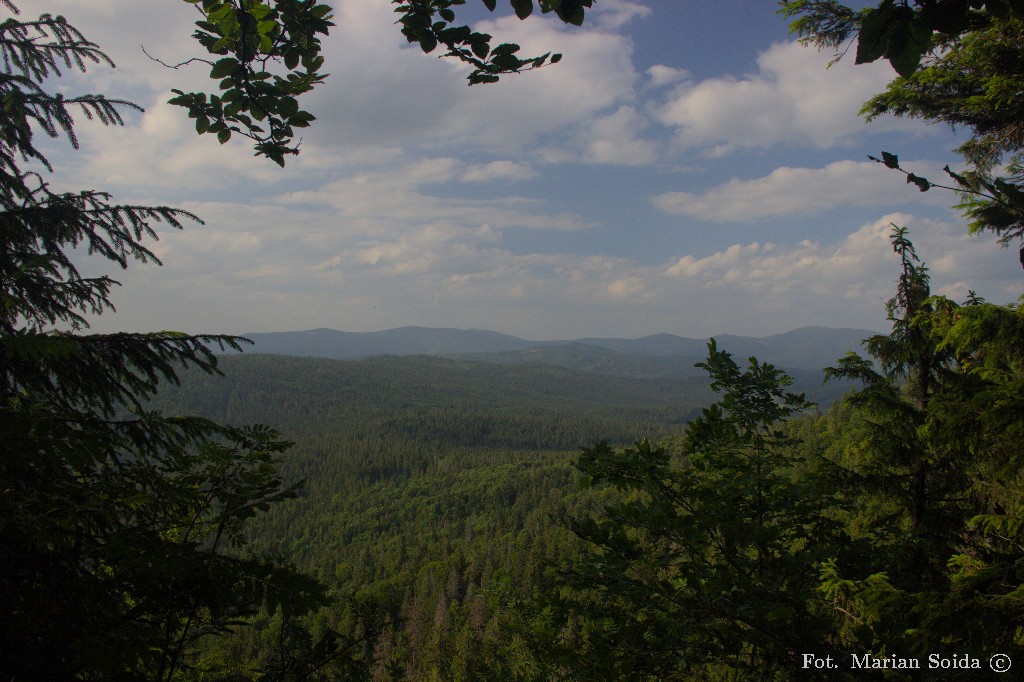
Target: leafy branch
(252, 38)
(432, 22)
(994, 204)
(900, 31)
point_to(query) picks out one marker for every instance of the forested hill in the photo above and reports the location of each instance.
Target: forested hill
(294, 392)
(434, 486)
(804, 348)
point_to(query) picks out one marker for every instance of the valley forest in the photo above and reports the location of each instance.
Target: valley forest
(175, 508)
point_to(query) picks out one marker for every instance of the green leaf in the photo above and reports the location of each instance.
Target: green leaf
(890, 160)
(1011, 192)
(907, 44)
(428, 42)
(962, 180)
(507, 62)
(259, 12)
(480, 48)
(266, 27)
(224, 135)
(224, 67)
(505, 49)
(221, 13)
(922, 183)
(288, 107)
(571, 12)
(874, 33)
(523, 8)
(490, 4)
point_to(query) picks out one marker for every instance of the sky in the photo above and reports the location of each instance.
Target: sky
(686, 168)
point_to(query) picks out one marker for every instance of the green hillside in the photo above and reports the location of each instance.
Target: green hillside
(434, 486)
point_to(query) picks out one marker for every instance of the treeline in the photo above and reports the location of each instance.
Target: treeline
(285, 385)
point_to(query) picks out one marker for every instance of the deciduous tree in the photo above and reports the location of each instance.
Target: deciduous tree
(265, 54)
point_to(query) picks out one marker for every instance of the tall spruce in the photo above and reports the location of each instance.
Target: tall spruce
(121, 530)
(903, 460)
(937, 477)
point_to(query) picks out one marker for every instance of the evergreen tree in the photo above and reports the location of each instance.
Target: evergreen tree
(902, 459)
(937, 475)
(115, 522)
(707, 566)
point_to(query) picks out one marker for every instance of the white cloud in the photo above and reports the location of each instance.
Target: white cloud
(498, 170)
(627, 288)
(793, 98)
(613, 139)
(802, 191)
(595, 74)
(660, 75)
(382, 91)
(859, 272)
(372, 226)
(395, 199)
(164, 146)
(123, 29)
(614, 14)
(382, 98)
(267, 266)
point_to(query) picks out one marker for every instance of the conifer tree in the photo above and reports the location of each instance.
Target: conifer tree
(706, 568)
(902, 459)
(115, 521)
(937, 476)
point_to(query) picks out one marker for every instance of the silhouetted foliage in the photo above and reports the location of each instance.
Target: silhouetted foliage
(122, 530)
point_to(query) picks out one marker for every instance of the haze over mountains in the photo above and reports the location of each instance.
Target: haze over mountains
(810, 348)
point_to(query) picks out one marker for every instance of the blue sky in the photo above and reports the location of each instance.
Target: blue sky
(687, 168)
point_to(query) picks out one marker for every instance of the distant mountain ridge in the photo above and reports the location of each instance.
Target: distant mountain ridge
(805, 348)
(339, 345)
